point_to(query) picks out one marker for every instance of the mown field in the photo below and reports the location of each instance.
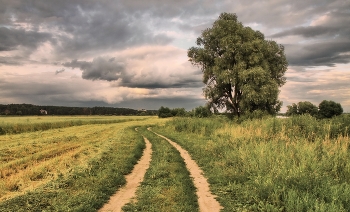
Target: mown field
(69, 164)
(76, 163)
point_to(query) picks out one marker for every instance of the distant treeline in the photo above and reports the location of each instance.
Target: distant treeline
(29, 109)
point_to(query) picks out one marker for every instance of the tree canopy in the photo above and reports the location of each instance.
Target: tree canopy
(242, 71)
(326, 109)
(305, 107)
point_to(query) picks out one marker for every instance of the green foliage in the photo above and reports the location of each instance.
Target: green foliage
(294, 164)
(180, 112)
(328, 109)
(256, 114)
(205, 126)
(302, 108)
(201, 112)
(242, 71)
(164, 112)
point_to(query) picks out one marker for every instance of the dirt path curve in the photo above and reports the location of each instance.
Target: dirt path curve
(133, 180)
(206, 200)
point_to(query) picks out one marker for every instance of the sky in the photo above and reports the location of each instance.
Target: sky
(133, 53)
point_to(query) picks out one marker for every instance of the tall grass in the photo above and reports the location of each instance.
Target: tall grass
(295, 164)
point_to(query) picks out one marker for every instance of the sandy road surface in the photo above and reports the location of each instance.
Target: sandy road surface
(133, 180)
(206, 200)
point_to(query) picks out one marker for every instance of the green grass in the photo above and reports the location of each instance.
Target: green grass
(296, 164)
(167, 185)
(15, 125)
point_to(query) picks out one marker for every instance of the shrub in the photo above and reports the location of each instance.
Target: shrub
(328, 109)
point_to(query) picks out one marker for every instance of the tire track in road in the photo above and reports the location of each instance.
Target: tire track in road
(206, 200)
(133, 180)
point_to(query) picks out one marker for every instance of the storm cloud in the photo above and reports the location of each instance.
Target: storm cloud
(128, 52)
(99, 69)
(319, 54)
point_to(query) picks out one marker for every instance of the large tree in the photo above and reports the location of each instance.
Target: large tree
(242, 71)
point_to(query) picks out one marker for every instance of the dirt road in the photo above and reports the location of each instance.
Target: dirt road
(206, 200)
(133, 180)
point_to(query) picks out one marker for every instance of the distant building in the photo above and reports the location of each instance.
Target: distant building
(43, 112)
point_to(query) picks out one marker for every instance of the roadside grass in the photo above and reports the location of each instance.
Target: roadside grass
(167, 185)
(295, 164)
(87, 166)
(16, 125)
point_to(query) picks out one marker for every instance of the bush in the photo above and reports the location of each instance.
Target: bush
(328, 109)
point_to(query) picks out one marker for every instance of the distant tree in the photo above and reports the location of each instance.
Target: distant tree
(328, 109)
(292, 110)
(202, 112)
(164, 112)
(242, 71)
(305, 107)
(178, 112)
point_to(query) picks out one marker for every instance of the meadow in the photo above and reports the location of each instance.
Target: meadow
(294, 164)
(268, 164)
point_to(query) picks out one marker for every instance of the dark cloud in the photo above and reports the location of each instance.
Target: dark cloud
(70, 33)
(178, 83)
(59, 71)
(318, 54)
(312, 31)
(329, 25)
(112, 70)
(79, 28)
(156, 103)
(99, 69)
(11, 38)
(13, 61)
(327, 40)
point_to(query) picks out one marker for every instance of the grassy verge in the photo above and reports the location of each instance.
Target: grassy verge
(297, 164)
(167, 185)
